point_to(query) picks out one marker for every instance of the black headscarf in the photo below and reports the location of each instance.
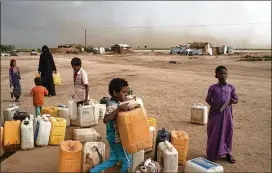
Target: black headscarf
(46, 61)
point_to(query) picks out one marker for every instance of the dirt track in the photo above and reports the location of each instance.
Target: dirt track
(168, 91)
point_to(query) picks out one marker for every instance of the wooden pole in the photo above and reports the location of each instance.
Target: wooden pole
(85, 38)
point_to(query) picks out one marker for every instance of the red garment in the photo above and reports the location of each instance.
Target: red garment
(38, 93)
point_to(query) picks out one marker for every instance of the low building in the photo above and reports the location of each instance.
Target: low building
(98, 50)
(66, 45)
(121, 48)
(179, 49)
(205, 47)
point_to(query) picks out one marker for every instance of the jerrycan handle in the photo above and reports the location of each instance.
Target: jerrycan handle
(198, 104)
(168, 145)
(71, 147)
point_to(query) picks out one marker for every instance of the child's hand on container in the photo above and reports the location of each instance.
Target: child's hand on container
(233, 101)
(124, 107)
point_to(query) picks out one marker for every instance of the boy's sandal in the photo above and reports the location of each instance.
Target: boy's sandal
(231, 159)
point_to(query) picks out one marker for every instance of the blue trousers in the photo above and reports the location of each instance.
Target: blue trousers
(38, 110)
(117, 153)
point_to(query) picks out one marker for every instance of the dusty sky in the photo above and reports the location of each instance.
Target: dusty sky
(35, 23)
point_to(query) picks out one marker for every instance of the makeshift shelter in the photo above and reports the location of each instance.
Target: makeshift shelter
(121, 48)
(205, 47)
(225, 49)
(98, 50)
(179, 49)
(230, 50)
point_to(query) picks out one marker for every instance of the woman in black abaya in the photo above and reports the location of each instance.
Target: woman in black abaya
(46, 68)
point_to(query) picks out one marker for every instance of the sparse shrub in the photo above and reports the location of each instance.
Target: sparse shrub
(256, 58)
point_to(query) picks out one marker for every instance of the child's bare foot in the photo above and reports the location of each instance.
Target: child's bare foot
(17, 100)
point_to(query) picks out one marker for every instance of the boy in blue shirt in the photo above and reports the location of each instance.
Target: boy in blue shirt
(118, 89)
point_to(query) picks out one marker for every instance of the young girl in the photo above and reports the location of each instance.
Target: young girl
(220, 97)
(118, 89)
(14, 79)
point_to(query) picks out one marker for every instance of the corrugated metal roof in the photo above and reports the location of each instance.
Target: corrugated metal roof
(123, 45)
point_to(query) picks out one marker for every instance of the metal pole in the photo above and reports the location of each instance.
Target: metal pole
(85, 38)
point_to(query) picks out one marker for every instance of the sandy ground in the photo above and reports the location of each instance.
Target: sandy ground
(168, 91)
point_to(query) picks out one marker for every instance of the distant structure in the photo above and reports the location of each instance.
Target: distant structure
(121, 48)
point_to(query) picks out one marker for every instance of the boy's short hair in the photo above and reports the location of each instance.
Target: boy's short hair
(76, 61)
(38, 81)
(219, 68)
(116, 84)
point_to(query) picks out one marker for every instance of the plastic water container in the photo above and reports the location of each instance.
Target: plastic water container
(63, 112)
(58, 129)
(137, 99)
(202, 165)
(12, 135)
(27, 136)
(179, 140)
(56, 78)
(72, 109)
(162, 135)
(167, 156)
(52, 110)
(70, 157)
(42, 134)
(199, 114)
(93, 154)
(86, 135)
(134, 130)
(9, 112)
(88, 115)
(2, 142)
(102, 111)
(137, 158)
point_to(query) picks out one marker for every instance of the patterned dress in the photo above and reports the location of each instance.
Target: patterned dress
(14, 79)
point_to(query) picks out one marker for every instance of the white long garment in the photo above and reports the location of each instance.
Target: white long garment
(79, 82)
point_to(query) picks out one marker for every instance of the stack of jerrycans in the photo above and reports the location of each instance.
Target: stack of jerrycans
(162, 135)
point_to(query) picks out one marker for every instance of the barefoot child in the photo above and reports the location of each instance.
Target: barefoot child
(38, 93)
(118, 89)
(14, 80)
(80, 83)
(220, 97)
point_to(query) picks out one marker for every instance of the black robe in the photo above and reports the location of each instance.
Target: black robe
(46, 67)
